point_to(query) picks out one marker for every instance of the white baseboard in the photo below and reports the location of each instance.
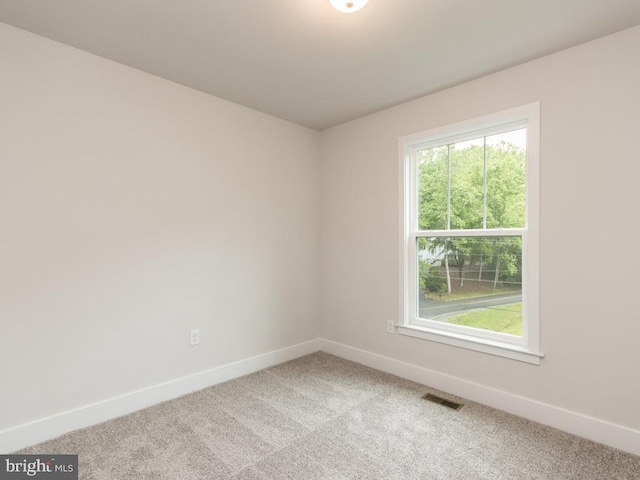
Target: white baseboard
(43, 429)
(616, 436)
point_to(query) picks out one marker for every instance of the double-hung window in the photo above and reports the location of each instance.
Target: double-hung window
(470, 201)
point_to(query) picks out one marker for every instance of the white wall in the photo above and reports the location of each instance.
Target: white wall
(590, 317)
(131, 210)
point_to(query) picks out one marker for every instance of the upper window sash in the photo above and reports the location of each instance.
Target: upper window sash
(479, 141)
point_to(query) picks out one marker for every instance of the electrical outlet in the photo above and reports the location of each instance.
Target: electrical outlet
(391, 326)
(194, 337)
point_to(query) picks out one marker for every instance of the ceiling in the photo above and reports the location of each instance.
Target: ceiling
(302, 61)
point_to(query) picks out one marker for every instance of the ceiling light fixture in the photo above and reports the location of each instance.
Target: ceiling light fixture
(348, 6)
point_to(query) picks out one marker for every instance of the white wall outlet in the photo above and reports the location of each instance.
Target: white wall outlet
(391, 326)
(194, 337)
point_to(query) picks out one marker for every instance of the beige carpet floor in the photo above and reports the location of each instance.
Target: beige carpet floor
(322, 417)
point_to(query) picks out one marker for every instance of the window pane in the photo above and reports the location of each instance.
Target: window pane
(506, 177)
(471, 281)
(433, 188)
(467, 184)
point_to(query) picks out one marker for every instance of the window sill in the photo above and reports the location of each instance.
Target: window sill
(506, 350)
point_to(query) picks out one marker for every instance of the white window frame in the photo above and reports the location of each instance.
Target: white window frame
(527, 347)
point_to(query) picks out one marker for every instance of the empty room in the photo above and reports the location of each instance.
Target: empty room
(319, 239)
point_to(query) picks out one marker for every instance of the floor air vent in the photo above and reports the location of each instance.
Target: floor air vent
(442, 401)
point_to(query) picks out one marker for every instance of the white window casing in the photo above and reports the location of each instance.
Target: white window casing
(526, 347)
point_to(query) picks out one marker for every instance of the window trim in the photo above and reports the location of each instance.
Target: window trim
(526, 349)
